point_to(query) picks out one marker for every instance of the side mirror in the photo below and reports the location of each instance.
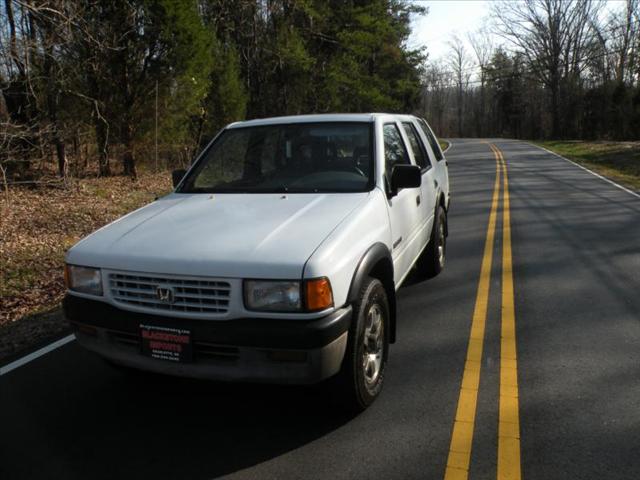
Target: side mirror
(177, 176)
(405, 176)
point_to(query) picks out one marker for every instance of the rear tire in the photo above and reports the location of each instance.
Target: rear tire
(432, 259)
(361, 377)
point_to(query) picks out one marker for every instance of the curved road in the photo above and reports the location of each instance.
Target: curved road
(575, 248)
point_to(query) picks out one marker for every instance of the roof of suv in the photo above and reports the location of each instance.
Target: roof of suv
(327, 117)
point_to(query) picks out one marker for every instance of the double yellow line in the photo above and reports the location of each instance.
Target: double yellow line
(508, 418)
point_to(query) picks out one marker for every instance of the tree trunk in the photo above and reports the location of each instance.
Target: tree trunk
(52, 106)
(13, 49)
(460, 107)
(60, 153)
(555, 111)
(483, 123)
(102, 141)
(128, 160)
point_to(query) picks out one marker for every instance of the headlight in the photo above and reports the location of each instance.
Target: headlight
(272, 296)
(285, 296)
(83, 279)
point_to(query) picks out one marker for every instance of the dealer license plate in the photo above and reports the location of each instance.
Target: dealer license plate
(166, 343)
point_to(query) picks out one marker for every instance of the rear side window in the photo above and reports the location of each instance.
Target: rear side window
(432, 139)
(395, 152)
(419, 152)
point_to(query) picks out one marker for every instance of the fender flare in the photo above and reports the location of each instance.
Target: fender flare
(376, 257)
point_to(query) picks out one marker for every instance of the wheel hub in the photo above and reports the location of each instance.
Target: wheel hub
(441, 244)
(373, 342)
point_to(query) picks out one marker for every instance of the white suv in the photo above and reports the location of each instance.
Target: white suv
(276, 258)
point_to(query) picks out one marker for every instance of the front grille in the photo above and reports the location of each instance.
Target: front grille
(186, 295)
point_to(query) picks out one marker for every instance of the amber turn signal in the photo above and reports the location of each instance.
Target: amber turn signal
(318, 294)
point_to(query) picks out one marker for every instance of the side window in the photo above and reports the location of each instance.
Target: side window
(419, 152)
(432, 139)
(394, 150)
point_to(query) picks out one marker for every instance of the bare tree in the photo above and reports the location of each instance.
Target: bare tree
(460, 64)
(437, 83)
(483, 48)
(624, 38)
(53, 24)
(554, 36)
(40, 36)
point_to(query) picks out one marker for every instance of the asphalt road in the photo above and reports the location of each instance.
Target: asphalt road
(576, 273)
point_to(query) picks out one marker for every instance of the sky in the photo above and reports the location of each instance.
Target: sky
(445, 18)
(461, 17)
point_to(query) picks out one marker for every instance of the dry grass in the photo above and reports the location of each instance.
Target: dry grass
(619, 161)
(37, 226)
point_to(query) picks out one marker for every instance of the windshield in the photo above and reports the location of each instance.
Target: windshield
(295, 158)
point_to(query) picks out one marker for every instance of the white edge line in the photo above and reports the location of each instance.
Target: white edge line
(449, 143)
(38, 353)
(587, 170)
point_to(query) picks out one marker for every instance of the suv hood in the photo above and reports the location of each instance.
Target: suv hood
(220, 235)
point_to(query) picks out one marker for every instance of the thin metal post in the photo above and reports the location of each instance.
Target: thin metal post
(156, 125)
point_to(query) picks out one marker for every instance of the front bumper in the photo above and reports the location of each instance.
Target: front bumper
(247, 349)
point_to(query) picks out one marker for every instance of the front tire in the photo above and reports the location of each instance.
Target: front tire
(363, 369)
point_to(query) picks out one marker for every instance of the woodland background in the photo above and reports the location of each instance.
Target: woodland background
(104, 87)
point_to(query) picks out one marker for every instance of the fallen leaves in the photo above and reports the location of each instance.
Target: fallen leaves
(37, 226)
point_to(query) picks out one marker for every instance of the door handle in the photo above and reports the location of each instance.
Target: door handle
(435, 183)
(418, 200)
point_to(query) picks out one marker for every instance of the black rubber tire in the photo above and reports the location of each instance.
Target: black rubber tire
(430, 264)
(350, 389)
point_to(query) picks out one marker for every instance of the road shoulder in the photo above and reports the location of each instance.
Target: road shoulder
(31, 333)
(615, 162)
